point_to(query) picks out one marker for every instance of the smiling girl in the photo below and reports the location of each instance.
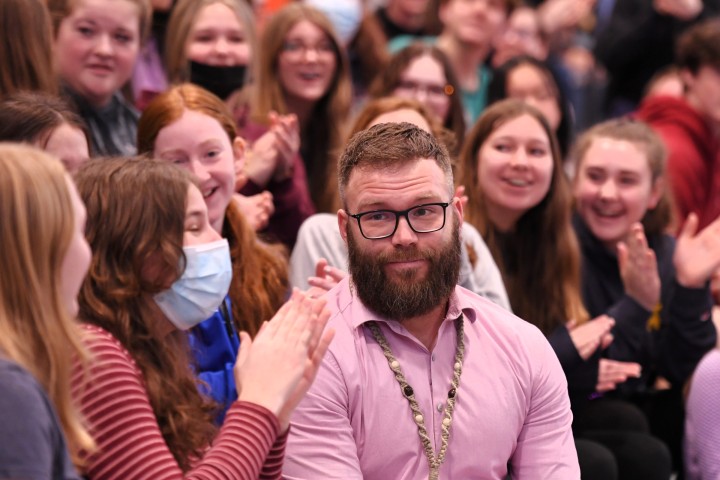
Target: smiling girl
(96, 46)
(654, 286)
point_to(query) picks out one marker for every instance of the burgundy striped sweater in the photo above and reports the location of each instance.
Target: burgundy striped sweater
(130, 445)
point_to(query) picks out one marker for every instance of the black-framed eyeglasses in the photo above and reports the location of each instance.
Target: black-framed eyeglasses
(425, 218)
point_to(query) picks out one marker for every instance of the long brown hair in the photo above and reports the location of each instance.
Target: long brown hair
(132, 223)
(26, 53)
(389, 79)
(324, 132)
(260, 277)
(540, 258)
(37, 330)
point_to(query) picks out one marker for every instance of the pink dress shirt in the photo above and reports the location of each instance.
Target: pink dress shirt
(512, 404)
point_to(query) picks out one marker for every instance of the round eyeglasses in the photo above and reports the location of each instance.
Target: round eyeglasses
(425, 218)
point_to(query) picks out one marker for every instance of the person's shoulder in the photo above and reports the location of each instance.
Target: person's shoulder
(22, 396)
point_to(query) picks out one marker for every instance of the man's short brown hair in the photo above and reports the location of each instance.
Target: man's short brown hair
(699, 46)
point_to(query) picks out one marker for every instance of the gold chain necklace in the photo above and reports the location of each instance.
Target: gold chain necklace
(434, 461)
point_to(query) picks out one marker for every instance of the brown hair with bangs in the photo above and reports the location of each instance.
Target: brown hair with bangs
(323, 134)
(540, 258)
(260, 277)
(132, 223)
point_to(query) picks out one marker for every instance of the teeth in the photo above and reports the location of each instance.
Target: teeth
(517, 182)
(607, 212)
(208, 193)
(310, 76)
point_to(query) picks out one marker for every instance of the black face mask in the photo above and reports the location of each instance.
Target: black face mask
(222, 81)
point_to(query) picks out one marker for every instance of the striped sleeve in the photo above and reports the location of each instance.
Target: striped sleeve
(113, 400)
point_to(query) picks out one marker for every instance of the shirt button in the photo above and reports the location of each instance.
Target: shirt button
(440, 407)
(432, 357)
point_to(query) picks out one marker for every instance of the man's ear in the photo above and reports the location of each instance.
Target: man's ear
(457, 204)
(343, 218)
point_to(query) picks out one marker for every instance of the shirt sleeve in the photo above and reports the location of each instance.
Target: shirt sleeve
(130, 445)
(545, 446)
(321, 443)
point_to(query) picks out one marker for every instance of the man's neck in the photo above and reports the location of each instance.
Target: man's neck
(426, 327)
(466, 59)
(408, 23)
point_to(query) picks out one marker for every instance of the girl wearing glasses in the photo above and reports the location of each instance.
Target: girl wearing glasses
(302, 71)
(423, 72)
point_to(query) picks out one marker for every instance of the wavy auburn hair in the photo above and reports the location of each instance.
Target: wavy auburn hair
(131, 223)
(540, 258)
(37, 227)
(260, 278)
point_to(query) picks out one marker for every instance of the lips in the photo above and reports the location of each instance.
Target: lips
(608, 211)
(518, 182)
(101, 69)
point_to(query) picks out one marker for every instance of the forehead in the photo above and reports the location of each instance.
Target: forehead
(423, 67)
(524, 126)
(396, 186)
(306, 30)
(124, 13)
(616, 155)
(216, 15)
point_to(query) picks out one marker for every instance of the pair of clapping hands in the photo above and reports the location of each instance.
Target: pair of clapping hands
(271, 157)
(696, 259)
(276, 369)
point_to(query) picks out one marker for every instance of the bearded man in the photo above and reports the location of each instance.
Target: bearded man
(424, 379)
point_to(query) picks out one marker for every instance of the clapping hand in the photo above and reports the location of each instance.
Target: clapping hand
(591, 335)
(326, 277)
(638, 268)
(256, 209)
(697, 255)
(276, 369)
(611, 373)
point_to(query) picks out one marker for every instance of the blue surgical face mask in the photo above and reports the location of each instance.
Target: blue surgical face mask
(200, 290)
(345, 15)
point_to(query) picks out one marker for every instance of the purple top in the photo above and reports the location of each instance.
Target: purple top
(512, 402)
(702, 421)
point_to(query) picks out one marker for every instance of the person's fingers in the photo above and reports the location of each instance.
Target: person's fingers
(320, 266)
(690, 227)
(623, 255)
(322, 283)
(606, 340)
(335, 273)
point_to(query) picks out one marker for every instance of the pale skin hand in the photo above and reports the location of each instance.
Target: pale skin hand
(276, 369)
(680, 9)
(638, 268)
(272, 155)
(591, 335)
(256, 209)
(611, 373)
(326, 277)
(697, 255)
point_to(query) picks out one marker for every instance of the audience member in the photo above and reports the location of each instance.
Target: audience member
(423, 72)
(47, 122)
(44, 259)
(192, 128)
(469, 30)
(303, 71)
(534, 82)
(654, 287)
(158, 266)
(701, 426)
(319, 258)
(378, 409)
(96, 46)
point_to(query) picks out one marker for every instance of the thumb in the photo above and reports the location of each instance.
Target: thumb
(244, 350)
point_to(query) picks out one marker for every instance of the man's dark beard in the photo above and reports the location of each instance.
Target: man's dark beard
(408, 297)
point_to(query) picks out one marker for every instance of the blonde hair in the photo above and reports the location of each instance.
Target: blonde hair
(181, 21)
(37, 331)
